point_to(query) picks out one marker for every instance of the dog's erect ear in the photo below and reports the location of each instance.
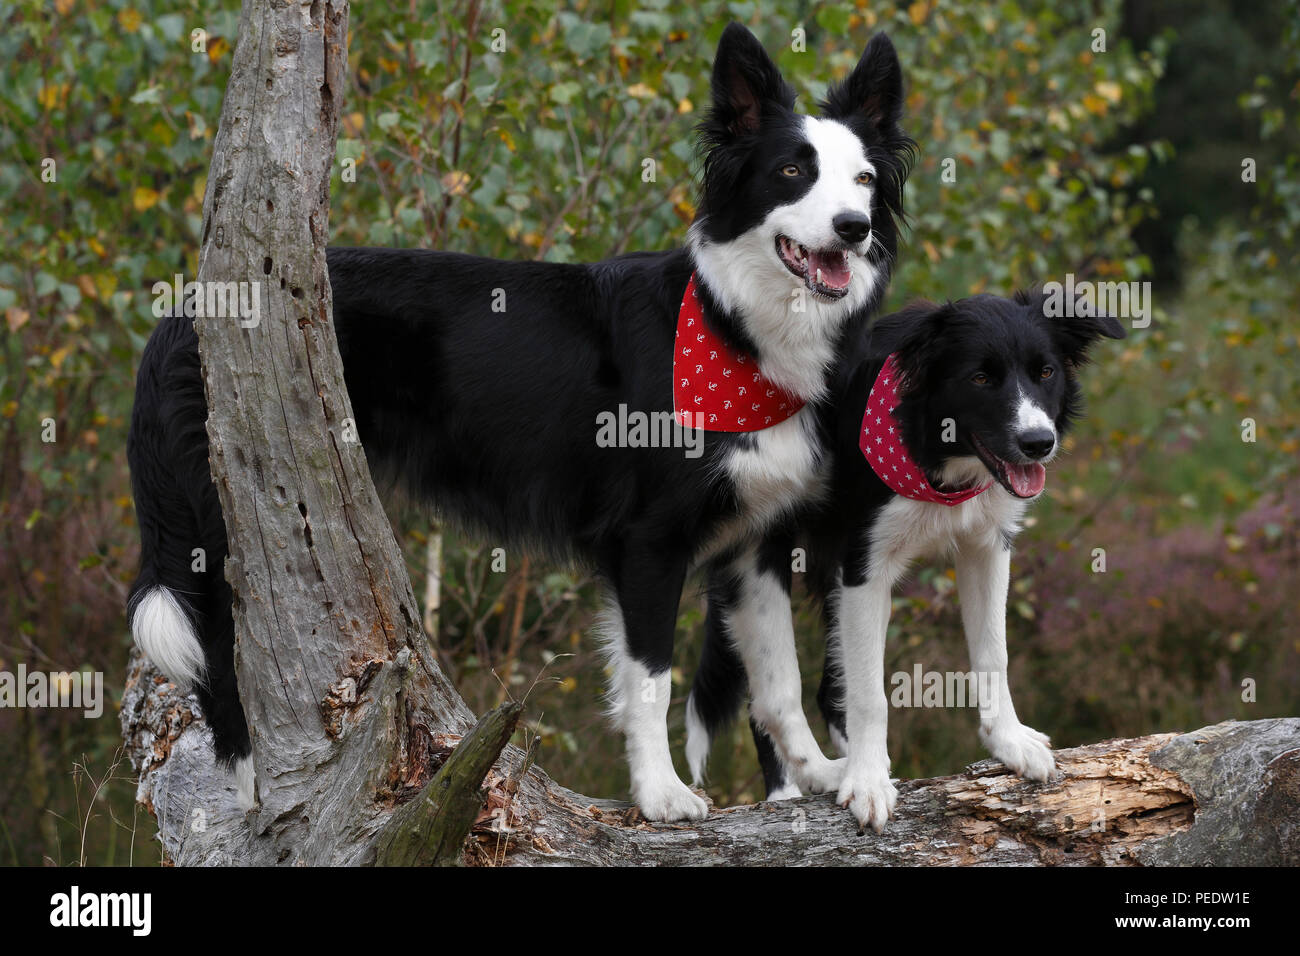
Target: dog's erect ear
(921, 335)
(745, 82)
(1074, 328)
(873, 90)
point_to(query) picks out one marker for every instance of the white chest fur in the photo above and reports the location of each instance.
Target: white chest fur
(780, 470)
(906, 530)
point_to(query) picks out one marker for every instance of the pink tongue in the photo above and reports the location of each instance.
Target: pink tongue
(1027, 480)
(834, 267)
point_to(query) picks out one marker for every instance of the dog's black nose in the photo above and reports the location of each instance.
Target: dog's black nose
(851, 226)
(1036, 444)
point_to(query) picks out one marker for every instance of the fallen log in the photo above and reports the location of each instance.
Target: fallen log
(1228, 794)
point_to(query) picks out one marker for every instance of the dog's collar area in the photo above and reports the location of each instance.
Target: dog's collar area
(717, 387)
(881, 443)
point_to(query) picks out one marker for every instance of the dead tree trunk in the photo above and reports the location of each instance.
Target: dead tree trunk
(344, 701)
(364, 752)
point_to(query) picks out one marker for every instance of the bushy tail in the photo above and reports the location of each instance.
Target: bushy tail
(719, 688)
(179, 607)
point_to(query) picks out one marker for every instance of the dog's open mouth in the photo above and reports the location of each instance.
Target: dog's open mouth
(824, 271)
(1023, 480)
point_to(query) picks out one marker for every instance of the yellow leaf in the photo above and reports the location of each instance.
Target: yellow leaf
(455, 183)
(145, 198)
(96, 247)
(1094, 104)
(1110, 91)
(10, 409)
(685, 106)
(918, 12)
(87, 286)
(130, 20)
(52, 96)
(640, 91)
(16, 317)
(216, 47)
(56, 359)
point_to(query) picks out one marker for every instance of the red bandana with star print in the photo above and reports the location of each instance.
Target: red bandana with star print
(881, 443)
(719, 388)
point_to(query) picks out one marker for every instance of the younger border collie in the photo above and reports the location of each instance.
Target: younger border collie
(492, 416)
(942, 421)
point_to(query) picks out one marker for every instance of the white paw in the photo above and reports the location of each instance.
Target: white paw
(667, 799)
(870, 795)
(1024, 750)
(786, 791)
(820, 775)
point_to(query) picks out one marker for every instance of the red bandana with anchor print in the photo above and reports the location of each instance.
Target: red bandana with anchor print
(881, 443)
(719, 388)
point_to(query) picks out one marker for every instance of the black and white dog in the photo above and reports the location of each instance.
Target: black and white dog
(492, 415)
(942, 420)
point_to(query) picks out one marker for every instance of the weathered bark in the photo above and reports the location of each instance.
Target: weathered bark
(1224, 795)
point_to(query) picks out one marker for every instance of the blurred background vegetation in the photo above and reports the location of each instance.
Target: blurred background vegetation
(1123, 163)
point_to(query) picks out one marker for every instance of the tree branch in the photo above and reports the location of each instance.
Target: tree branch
(431, 829)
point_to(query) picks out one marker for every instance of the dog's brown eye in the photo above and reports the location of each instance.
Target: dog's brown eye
(1048, 372)
(979, 378)
(865, 179)
(790, 170)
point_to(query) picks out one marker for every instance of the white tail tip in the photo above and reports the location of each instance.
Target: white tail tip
(245, 778)
(697, 743)
(163, 632)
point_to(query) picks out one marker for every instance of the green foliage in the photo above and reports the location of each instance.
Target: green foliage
(567, 136)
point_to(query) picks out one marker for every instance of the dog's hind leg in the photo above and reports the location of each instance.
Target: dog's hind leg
(761, 629)
(720, 687)
(638, 626)
(830, 692)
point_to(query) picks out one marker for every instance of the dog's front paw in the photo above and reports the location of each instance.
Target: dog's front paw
(870, 795)
(665, 800)
(1024, 750)
(821, 775)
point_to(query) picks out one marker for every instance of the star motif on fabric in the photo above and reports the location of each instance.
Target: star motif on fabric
(893, 467)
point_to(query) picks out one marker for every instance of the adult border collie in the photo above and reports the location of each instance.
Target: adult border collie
(942, 420)
(492, 416)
